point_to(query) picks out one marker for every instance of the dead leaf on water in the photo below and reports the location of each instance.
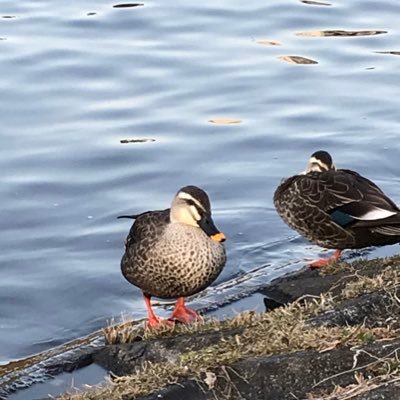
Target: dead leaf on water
(395, 53)
(128, 5)
(225, 121)
(267, 42)
(297, 60)
(329, 33)
(136, 140)
(315, 3)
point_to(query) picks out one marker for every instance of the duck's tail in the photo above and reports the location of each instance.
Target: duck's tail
(388, 230)
(128, 216)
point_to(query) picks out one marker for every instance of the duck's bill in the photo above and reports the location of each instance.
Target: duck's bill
(218, 237)
(208, 226)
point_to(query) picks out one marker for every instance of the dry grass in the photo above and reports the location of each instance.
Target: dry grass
(282, 330)
(378, 373)
(388, 280)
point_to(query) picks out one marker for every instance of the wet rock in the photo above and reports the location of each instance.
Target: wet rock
(292, 286)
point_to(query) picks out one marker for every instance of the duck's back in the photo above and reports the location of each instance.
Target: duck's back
(170, 260)
(303, 201)
(335, 209)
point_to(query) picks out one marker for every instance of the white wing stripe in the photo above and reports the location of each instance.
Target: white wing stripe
(374, 214)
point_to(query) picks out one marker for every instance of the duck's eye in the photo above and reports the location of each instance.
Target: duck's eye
(191, 202)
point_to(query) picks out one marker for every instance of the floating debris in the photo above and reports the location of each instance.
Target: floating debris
(339, 33)
(315, 3)
(136, 140)
(127, 5)
(225, 121)
(297, 60)
(91, 13)
(267, 42)
(395, 53)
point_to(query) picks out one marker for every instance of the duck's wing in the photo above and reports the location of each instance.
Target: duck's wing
(147, 225)
(347, 197)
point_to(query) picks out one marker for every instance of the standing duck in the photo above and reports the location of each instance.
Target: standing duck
(337, 208)
(174, 253)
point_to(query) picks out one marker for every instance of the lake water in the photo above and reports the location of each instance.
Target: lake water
(77, 77)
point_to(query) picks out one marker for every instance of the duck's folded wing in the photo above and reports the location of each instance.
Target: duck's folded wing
(147, 225)
(348, 197)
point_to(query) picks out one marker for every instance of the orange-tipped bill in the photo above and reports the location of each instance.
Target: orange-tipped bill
(218, 237)
(207, 224)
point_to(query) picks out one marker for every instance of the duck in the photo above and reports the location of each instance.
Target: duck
(174, 253)
(336, 208)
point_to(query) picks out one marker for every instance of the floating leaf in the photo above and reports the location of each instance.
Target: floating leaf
(395, 53)
(127, 5)
(136, 140)
(297, 60)
(225, 121)
(315, 3)
(267, 42)
(339, 33)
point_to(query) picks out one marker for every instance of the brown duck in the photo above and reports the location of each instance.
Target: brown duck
(174, 253)
(337, 208)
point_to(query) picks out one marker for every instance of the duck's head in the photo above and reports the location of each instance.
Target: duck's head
(320, 161)
(191, 206)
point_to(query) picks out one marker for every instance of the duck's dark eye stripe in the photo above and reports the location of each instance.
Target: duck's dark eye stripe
(192, 203)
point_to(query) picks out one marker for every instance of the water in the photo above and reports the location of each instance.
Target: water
(74, 84)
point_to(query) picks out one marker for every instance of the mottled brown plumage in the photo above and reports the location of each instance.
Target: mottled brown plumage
(168, 253)
(337, 209)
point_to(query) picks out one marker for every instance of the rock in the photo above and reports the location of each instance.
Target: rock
(288, 376)
(122, 359)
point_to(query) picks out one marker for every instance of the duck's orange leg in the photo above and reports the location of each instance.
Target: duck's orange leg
(323, 262)
(182, 313)
(153, 321)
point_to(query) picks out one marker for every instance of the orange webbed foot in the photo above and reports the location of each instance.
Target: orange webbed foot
(183, 314)
(323, 262)
(156, 322)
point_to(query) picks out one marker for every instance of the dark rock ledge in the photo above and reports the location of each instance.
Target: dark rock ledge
(340, 339)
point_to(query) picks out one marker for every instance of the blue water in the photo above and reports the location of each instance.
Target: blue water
(74, 85)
